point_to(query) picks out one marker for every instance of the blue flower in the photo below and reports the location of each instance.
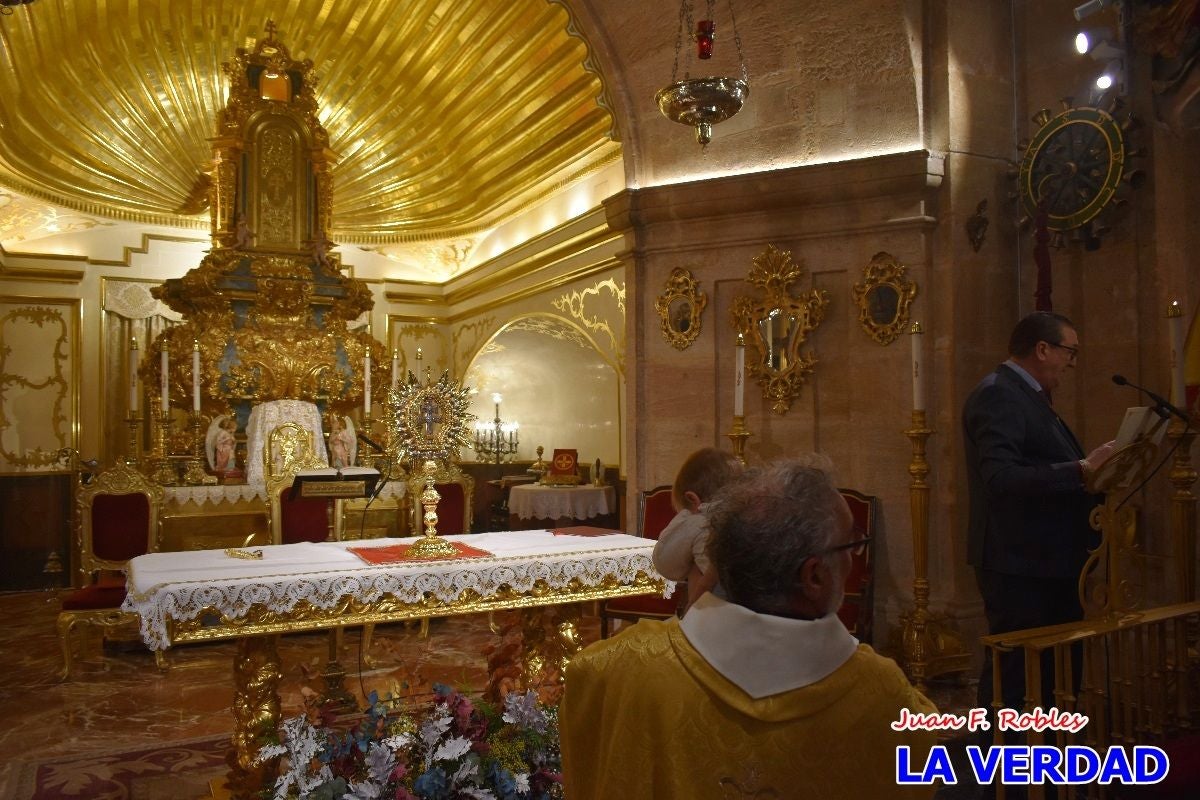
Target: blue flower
(433, 785)
(502, 781)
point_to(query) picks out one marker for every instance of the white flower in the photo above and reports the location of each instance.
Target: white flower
(379, 761)
(521, 779)
(522, 709)
(452, 749)
(477, 794)
(363, 791)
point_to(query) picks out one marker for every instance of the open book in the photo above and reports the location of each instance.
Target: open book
(1141, 422)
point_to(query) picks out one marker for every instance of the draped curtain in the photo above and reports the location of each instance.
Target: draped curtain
(130, 314)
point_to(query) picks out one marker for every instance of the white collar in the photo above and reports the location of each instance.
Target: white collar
(765, 654)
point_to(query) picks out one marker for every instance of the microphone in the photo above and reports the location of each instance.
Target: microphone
(1160, 404)
(374, 445)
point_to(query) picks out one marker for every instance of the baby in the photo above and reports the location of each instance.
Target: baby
(679, 553)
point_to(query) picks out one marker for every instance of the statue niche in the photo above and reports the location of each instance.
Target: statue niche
(268, 306)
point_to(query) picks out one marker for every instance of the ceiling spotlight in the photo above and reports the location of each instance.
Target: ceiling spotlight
(1091, 7)
(1110, 76)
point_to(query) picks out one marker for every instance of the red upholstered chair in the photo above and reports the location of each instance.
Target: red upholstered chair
(455, 509)
(118, 520)
(856, 610)
(297, 519)
(655, 512)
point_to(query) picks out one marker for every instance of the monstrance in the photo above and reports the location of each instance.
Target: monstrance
(428, 421)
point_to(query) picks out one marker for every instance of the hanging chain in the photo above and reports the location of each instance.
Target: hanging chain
(683, 8)
(737, 42)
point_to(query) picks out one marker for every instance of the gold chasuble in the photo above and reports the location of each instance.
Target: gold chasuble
(645, 716)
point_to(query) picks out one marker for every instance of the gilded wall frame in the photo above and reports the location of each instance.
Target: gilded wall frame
(680, 307)
(40, 365)
(883, 298)
(777, 324)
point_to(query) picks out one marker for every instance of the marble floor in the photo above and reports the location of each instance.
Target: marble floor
(117, 699)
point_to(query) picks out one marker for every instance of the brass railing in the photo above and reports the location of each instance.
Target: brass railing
(1139, 681)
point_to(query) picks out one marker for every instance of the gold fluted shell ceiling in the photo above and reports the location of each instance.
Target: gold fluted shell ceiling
(446, 114)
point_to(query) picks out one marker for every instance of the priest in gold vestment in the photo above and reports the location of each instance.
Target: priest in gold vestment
(763, 694)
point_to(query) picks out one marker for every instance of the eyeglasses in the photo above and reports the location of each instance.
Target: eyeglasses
(1074, 351)
(856, 548)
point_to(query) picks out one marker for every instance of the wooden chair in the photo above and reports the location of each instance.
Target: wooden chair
(856, 611)
(118, 512)
(655, 512)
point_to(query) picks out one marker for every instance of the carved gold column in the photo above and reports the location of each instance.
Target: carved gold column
(256, 677)
(223, 192)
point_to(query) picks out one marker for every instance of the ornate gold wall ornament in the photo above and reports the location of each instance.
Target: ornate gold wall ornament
(777, 325)
(679, 308)
(574, 305)
(49, 379)
(883, 298)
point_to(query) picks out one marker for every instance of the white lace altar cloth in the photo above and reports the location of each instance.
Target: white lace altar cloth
(178, 497)
(266, 417)
(179, 586)
(556, 502)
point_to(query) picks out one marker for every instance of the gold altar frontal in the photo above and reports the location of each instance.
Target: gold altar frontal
(207, 595)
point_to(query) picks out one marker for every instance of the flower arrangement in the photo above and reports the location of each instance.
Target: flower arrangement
(454, 749)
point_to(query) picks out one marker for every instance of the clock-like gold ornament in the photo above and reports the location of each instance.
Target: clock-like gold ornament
(1073, 166)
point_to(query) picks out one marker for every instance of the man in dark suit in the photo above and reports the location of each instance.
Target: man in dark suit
(1028, 534)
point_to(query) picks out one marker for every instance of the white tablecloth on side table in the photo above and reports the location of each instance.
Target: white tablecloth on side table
(557, 502)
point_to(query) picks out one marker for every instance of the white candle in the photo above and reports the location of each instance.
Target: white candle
(1175, 320)
(133, 386)
(195, 375)
(164, 382)
(918, 371)
(395, 367)
(367, 383)
(739, 371)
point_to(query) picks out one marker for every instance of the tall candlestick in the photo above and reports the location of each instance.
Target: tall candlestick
(367, 383)
(164, 381)
(739, 371)
(195, 375)
(918, 370)
(395, 367)
(1175, 321)
(133, 387)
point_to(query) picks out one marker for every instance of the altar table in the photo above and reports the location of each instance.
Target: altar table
(207, 595)
(561, 502)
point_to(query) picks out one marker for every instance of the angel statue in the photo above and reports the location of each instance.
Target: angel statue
(343, 444)
(220, 444)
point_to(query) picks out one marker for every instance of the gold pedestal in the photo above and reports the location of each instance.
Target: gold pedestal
(929, 644)
(738, 437)
(431, 546)
(193, 470)
(132, 453)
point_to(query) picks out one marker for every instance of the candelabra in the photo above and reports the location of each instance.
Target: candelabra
(930, 646)
(162, 468)
(499, 439)
(193, 471)
(132, 453)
